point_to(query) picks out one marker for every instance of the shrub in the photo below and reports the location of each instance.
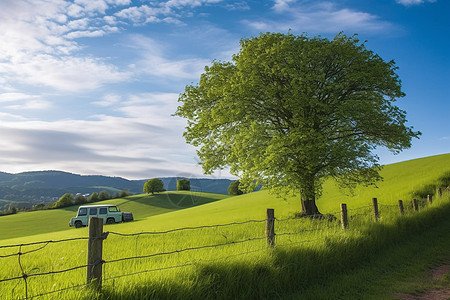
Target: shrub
(183, 185)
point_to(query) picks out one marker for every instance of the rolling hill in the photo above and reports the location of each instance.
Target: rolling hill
(30, 188)
(179, 209)
(233, 260)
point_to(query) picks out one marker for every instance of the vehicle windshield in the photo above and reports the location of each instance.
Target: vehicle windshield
(82, 212)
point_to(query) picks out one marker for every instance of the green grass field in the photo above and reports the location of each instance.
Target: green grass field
(142, 206)
(242, 267)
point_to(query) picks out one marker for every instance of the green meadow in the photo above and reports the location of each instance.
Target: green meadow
(312, 257)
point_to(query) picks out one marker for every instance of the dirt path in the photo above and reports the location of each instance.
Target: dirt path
(434, 294)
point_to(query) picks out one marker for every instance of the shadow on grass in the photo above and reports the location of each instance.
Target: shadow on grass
(173, 200)
(167, 200)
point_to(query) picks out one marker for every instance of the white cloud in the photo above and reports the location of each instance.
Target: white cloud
(282, 5)
(15, 96)
(146, 140)
(319, 17)
(154, 62)
(242, 5)
(140, 15)
(62, 73)
(413, 2)
(108, 100)
(37, 44)
(31, 105)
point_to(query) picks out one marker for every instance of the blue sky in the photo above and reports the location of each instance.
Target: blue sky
(89, 86)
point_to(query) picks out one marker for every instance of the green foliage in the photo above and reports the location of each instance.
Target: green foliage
(93, 197)
(444, 181)
(424, 191)
(233, 189)
(104, 195)
(183, 185)
(123, 194)
(65, 200)
(39, 206)
(289, 111)
(10, 211)
(80, 199)
(153, 186)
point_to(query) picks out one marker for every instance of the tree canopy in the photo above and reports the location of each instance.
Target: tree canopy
(233, 188)
(183, 185)
(153, 186)
(65, 200)
(289, 110)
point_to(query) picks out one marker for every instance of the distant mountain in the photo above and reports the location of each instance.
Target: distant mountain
(48, 186)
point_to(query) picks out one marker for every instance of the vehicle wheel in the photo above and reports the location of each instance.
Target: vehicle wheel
(78, 224)
(110, 221)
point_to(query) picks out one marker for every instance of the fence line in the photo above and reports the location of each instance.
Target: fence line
(44, 242)
(186, 228)
(269, 236)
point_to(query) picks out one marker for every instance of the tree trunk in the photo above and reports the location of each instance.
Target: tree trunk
(309, 208)
(308, 195)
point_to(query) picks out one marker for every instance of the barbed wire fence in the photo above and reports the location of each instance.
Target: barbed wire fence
(276, 233)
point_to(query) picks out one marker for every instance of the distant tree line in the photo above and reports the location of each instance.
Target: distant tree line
(69, 199)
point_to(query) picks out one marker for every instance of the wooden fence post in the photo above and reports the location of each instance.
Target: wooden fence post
(344, 216)
(95, 248)
(430, 198)
(415, 205)
(400, 206)
(270, 227)
(375, 208)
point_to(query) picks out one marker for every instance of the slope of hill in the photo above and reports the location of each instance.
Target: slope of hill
(142, 206)
(160, 212)
(322, 251)
(48, 186)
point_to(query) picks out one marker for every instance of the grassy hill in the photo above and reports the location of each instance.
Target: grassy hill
(142, 207)
(400, 180)
(172, 209)
(321, 252)
(31, 188)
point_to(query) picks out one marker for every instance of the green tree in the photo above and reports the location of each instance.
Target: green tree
(12, 210)
(233, 188)
(65, 200)
(80, 199)
(93, 197)
(124, 193)
(183, 185)
(104, 195)
(39, 206)
(289, 111)
(153, 186)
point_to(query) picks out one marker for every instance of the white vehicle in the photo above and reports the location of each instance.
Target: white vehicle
(110, 214)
